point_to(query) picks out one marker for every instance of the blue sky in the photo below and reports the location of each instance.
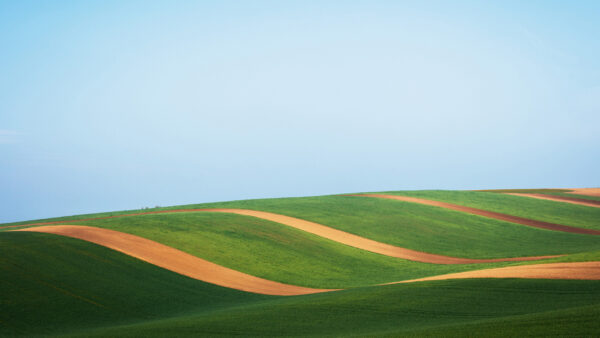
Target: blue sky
(113, 105)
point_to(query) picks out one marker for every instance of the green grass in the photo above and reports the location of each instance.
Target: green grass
(527, 207)
(585, 197)
(572, 322)
(398, 310)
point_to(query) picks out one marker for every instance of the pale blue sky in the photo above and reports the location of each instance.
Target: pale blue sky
(113, 105)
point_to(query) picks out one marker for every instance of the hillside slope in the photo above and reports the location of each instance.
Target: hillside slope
(58, 285)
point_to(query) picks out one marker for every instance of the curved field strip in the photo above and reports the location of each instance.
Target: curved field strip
(340, 237)
(365, 243)
(200, 269)
(572, 270)
(585, 194)
(572, 200)
(490, 214)
(407, 225)
(279, 253)
(175, 260)
(427, 228)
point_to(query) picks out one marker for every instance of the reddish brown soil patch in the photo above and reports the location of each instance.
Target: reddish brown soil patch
(175, 260)
(566, 199)
(573, 270)
(586, 191)
(490, 214)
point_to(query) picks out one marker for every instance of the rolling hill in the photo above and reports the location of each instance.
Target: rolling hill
(344, 264)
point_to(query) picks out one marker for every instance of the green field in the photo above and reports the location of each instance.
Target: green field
(492, 306)
(526, 207)
(53, 285)
(410, 225)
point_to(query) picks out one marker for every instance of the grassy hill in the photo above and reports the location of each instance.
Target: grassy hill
(57, 285)
(54, 284)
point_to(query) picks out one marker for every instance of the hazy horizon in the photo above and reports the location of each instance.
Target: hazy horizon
(120, 105)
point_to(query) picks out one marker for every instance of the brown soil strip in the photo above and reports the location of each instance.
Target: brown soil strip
(566, 199)
(175, 260)
(490, 214)
(586, 191)
(365, 243)
(573, 270)
(340, 237)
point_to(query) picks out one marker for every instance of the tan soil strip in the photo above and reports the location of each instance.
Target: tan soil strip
(572, 200)
(490, 214)
(573, 270)
(365, 243)
(340, 237)
(175, 260)
(586, 191)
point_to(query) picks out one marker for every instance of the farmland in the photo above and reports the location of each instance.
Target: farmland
(65, 283)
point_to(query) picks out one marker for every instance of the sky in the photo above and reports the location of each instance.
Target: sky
(113, 105)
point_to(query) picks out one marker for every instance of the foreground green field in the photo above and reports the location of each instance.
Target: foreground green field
(55, 285)
(458, 308)
(47, 290)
